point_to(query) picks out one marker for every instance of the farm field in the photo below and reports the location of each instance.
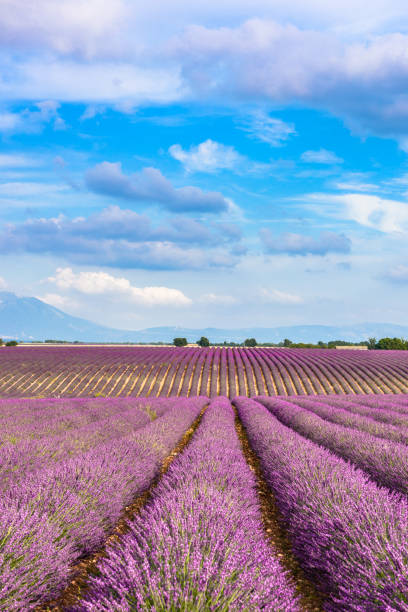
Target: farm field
(267, 503)
(188, 372)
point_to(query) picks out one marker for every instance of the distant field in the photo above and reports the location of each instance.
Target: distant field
(167, 371)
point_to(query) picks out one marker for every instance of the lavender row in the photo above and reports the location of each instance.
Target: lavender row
(153, 371)
(18, 460)
(36, 418)
(385, 461)
(63, 511)
(199, 544)
(378, 412)
(347, 418)
(350, 535)
(31, 441)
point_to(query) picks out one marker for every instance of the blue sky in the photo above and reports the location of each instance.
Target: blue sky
(224, 164)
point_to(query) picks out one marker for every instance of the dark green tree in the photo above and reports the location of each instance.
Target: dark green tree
(180, 341)
(203, 341)
(287, 342)
(371, 343)
(250, 342)
(392, 344)
(12, 343)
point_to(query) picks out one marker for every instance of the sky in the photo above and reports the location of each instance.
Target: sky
(221, 164)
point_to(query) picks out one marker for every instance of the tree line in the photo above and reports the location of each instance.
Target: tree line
(394, 344)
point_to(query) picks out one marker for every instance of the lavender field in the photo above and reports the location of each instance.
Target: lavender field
(265, 503)
(289, 495)
(71, 371)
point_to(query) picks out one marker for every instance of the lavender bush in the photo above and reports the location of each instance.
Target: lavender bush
(199, 544)
(339, 415)
(385, 461)
(77, 500)
(350, 535)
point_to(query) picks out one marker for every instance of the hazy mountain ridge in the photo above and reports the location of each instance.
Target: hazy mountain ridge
(28, 318)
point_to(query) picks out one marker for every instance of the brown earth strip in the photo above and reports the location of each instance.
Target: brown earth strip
(87, 566)
(310, 599)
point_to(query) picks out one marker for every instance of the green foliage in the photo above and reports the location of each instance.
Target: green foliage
(180, 341)
(392, 344)
(287, 342)
(203, 341)
(12, 343)
(250, 342)
(372, 342)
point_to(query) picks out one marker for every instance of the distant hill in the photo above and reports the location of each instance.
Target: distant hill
(27, 318)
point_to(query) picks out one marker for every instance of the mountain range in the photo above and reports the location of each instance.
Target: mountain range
(30, 319)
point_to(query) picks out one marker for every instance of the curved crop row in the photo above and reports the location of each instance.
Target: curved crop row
(60, 511)
(199, 543)
(347, 418)
(170, 371)
(350, 535)
(385, 461)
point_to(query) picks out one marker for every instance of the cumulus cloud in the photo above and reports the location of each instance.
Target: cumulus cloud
(101, 283)
(151, 186)
(298, 244)
(274, 296)
(71, 27)
(117, 55)
(263, 60)
(57, 300)
(120, 238)
(208, 156)
(321, 156)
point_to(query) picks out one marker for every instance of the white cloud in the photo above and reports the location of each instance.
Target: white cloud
(94, 82)
(79, 27)
(275, 296)
(32, 121)
(352, 64)
(3, 284)
(208, 156)
(267, 129)
(321, 156)
(59, 301)
(365, 209)
(354, 186)
(101, 283)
